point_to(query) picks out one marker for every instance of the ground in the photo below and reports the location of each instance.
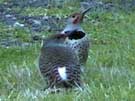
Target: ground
(109, 73)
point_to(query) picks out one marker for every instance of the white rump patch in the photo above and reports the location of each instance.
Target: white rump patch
(62, 73)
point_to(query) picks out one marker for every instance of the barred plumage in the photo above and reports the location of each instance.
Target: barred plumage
(58, 63)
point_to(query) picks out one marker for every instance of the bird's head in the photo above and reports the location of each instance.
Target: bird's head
(77, 18)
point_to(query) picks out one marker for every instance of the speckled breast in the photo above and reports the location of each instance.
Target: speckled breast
(81, 48)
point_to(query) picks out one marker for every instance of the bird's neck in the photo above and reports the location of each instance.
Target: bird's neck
(71, 27)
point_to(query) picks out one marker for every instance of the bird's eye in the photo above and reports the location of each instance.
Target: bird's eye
(73, 16)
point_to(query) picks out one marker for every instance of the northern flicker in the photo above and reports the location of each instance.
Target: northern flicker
(78, 40)
(58, 63)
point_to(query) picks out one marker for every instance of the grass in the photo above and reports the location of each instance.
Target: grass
(110, 72)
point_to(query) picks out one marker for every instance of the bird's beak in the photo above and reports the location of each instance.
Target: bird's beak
(84, 12)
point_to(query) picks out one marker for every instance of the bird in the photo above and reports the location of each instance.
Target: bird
(78, 40)
(58, 63)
